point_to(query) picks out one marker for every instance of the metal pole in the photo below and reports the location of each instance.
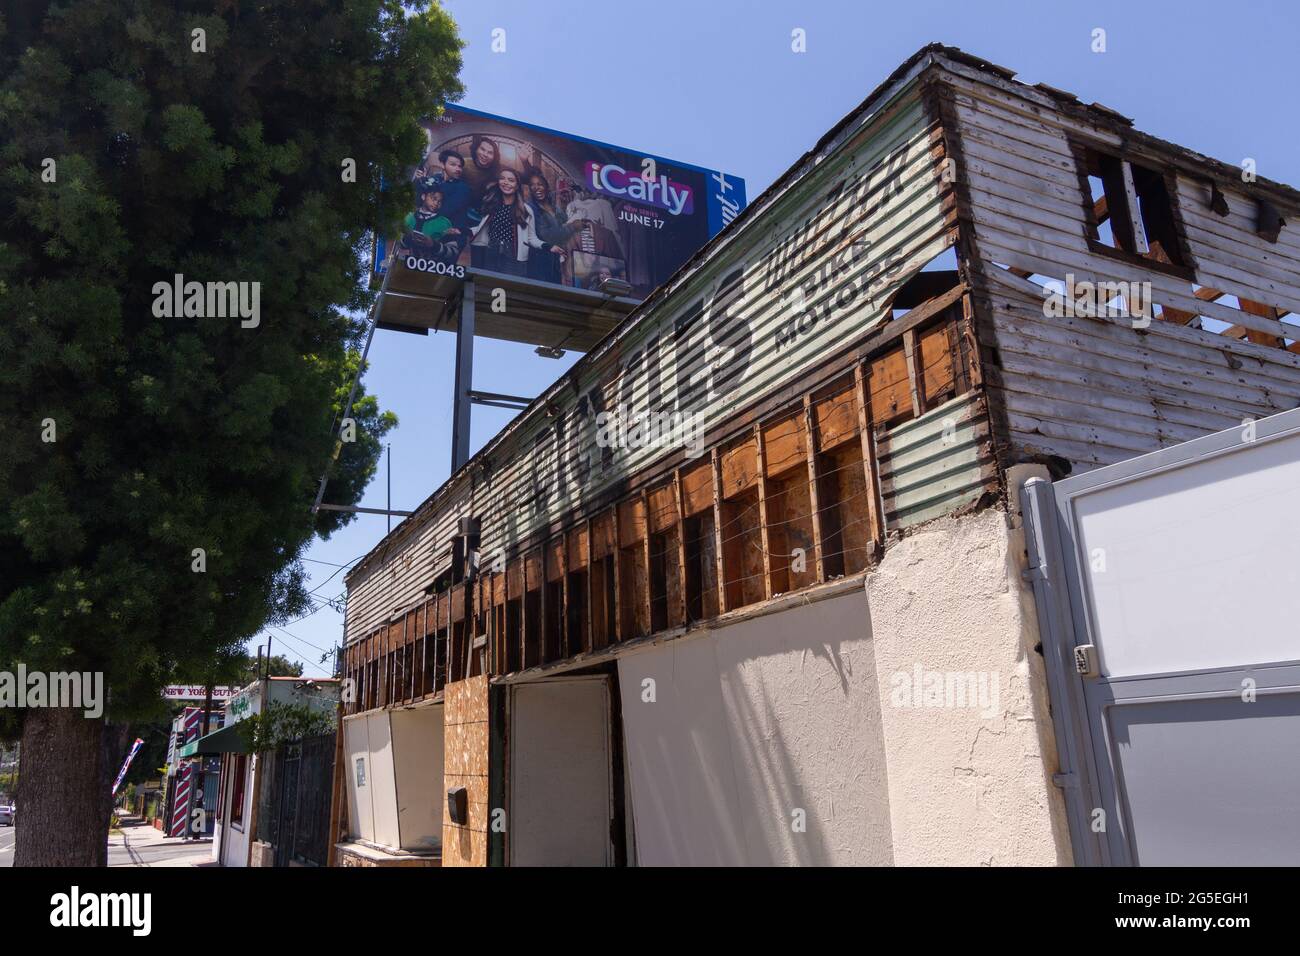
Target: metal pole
(462, 405)
(390, 487)
(376, 312)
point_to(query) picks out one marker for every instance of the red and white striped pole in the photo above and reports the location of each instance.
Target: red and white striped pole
(186, 778)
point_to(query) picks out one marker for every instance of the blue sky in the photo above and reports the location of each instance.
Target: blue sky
(716, 84)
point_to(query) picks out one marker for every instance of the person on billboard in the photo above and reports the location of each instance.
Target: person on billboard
(595, 208)
(483, 168)
(549, 221)
(428, 232)
(456, 193)
(507, 233)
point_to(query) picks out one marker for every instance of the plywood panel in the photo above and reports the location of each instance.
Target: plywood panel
(663, 507)
(466, 754)
(697, 488)
(891, 390)
(836, 418)
(739, 463)
(785, 443)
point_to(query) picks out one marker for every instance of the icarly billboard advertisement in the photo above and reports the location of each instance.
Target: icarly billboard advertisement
(497, 195)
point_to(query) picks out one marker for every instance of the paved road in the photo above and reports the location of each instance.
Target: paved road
(134, 847)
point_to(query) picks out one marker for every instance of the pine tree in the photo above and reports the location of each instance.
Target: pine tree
(157, 473)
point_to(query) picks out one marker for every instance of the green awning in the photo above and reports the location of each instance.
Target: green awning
(227, 740)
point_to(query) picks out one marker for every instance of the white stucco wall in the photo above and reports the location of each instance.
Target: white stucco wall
(971, 785)
(811, 707)
(750, 723)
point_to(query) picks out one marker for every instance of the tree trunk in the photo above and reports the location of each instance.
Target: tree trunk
(62, 805)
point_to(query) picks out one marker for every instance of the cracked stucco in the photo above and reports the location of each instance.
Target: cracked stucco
(967, 786)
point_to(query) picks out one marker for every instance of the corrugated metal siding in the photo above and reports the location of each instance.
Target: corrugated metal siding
(835, 249)
(934, 464)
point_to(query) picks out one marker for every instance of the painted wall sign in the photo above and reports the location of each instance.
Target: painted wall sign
(196, 692)
(814, 273)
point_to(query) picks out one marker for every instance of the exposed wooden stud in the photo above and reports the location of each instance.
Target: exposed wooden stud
(763, 522)
(1134, 210)
(1251, 307)
(915, 377)
(589, 638)
(717, 529)
(543, 603)
(565, 650)
(865, 429)
(813, 491)
(617, 634)
(645, 552)
(424, 649)
(523, 611)
(681, 546)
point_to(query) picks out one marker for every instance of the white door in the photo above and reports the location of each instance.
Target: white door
(560, 773)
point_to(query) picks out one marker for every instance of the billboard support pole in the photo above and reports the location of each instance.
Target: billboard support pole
(462, 403)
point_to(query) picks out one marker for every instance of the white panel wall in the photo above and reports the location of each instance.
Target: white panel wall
(356, 747)
(418, 756)
(560, 773)
(753, 729)
(383, 785)
(1201, 563)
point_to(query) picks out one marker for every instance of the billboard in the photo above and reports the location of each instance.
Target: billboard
(497, 195)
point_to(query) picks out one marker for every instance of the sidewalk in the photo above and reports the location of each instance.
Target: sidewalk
(140, 844)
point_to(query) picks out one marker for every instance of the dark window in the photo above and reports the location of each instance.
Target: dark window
(237, 797)
(1130, 208)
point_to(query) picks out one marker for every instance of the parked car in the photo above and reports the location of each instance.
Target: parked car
(7, 814)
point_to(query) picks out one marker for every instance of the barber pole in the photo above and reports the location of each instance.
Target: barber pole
(185, 778)
(135, 748)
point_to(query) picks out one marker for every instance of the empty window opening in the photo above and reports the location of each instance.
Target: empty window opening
(458, 648)
(701, 567)
(554, 624)
(842, 496)
(603, 604)
(514, 634)
(742, 549)
(532, 627)
(937, 277)
(576, 625)
(1131, 208)
(659, 544)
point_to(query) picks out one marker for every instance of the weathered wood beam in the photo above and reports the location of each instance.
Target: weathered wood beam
(814, 497)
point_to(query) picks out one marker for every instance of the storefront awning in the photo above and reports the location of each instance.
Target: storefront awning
(227, 740)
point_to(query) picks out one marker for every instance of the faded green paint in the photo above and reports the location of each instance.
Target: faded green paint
(935, 463)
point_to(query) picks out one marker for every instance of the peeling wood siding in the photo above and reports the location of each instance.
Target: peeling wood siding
(1096, 391)
(835, 247)
(1028, 207)
(934, 464)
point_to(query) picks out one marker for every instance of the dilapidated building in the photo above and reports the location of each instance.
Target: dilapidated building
(745, 585)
